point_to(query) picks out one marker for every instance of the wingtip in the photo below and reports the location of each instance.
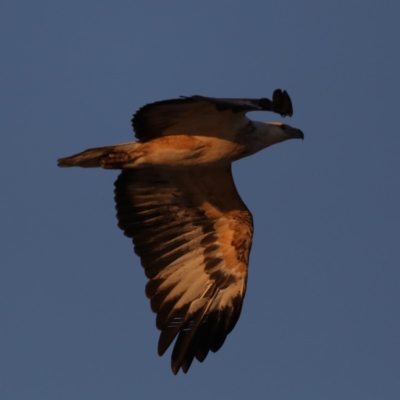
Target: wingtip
(175, 368)
(282, 103)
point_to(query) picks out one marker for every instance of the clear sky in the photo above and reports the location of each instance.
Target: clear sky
(321, 315)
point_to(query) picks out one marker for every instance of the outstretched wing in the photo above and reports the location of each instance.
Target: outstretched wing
(199, 115)
(193, 234)
(280, 104)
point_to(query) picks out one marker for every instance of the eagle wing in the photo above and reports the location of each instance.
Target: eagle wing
(193, 234)
(199, 115)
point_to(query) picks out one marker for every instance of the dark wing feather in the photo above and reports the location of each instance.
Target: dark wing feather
(193, 234)
(199, 115)
(280, 104)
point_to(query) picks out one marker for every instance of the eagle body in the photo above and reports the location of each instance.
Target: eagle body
(177, 201)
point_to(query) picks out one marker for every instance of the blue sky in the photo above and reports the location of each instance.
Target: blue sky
(321, 314)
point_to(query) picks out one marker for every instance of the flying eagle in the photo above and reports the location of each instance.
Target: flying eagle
(176, 198)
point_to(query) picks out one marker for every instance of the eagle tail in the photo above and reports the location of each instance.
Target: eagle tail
(108, 157)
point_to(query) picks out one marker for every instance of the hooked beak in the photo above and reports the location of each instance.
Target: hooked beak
(297, 134)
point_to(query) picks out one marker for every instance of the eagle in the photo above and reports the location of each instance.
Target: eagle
(176, 199)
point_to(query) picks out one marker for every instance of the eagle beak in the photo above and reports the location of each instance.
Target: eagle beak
(298, 134)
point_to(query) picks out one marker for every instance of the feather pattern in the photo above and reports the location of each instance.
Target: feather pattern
(200, 115)
(176, 199)
(193, 234)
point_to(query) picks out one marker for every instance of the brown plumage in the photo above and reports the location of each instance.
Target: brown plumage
(177, 200)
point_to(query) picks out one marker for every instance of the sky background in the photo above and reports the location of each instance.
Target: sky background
(321, 315)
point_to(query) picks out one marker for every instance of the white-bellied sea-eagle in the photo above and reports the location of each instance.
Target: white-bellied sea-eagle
(176, 198)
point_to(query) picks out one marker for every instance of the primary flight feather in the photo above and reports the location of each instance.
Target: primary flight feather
(176, 198)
